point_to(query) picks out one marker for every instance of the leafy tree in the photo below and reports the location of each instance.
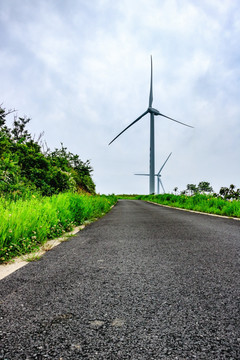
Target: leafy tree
(19, 132)
(237, 194)
(80, 171)
(175, 190)
(3, 115)
(192, 188)
(224, 191)
(204, 186)
(229, 193)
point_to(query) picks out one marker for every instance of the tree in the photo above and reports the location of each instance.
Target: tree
(192, 188)
(224, 192)
(229, 193)
(19, 132)
(204, 186)
(72, 164)
(237, 194)
(175, 190)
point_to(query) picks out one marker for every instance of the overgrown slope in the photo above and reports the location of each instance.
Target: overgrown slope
(25, 166)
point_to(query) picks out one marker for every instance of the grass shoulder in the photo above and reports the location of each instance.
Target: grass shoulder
(28, 224)
(199, 202)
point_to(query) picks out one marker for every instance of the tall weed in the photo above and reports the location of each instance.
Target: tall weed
(25, 224)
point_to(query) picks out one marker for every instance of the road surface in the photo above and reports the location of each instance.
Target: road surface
(143, 282)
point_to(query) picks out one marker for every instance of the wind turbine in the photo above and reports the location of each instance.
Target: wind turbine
(152, 113)
(159, 181)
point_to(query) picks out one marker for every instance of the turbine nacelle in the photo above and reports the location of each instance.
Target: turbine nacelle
(151, 110)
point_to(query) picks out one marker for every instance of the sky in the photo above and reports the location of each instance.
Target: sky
(80, 70)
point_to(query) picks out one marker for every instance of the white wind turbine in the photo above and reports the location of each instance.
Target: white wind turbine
(159, 181)
(153, 112)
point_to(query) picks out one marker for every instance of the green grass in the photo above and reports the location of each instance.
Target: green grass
(33, 257)
(26, 224)
(203, 203)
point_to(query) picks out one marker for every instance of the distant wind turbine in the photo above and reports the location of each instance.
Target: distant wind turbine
(159, 181)
(152, 112)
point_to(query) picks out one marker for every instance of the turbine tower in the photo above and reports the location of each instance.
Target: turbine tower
(159, 181)
(152, 113)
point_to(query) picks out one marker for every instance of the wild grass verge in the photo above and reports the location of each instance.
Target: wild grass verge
(199, 202)
(26, 224)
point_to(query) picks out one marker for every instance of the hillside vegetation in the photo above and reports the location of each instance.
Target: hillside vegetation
(25, 165)
(43, 193)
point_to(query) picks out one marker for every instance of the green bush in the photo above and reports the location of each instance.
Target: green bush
(25, 165)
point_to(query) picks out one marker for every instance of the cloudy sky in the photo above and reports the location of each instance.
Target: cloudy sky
(80, 70)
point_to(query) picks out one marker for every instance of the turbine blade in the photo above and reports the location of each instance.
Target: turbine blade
(143, 174)
(129, 126)
(151, 92)
(162, 185)
(164, 163)
(147, 174)
(173, 119)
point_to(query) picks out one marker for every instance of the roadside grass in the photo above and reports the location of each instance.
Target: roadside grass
(199, 202)
(33, 258)
(27, 224)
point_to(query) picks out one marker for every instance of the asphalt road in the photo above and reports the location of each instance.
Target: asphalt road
(144, 282)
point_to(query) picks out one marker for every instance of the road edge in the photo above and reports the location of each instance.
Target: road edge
(20, 261)
(193, 211)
